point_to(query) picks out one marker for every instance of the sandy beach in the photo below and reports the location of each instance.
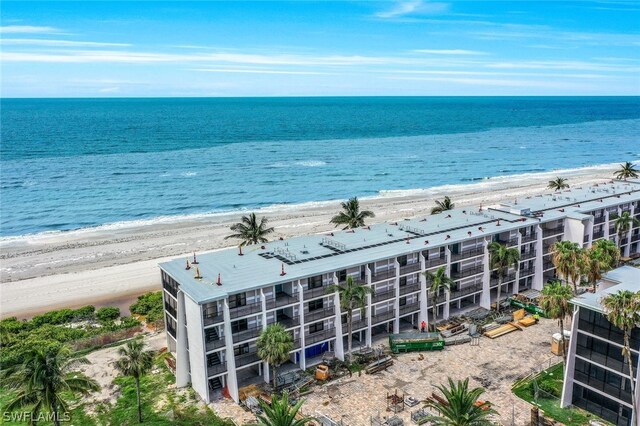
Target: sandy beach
(113, 264)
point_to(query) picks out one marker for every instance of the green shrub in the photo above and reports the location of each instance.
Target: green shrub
(150, 306)
(108, 313)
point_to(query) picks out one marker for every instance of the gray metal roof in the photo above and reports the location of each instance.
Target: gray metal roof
(628, 278)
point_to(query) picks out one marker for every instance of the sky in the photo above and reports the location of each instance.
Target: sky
(345, 48)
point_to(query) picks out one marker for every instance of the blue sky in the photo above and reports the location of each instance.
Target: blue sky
(415, 47)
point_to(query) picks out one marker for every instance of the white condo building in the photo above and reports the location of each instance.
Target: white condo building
(213, 322)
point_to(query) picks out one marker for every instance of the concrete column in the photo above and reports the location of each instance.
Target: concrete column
(605, 224)
(182, 355)
(445, 312)
(265, 365)
(567, 386)
(339, 346)
(232, 378)
(367, 336)
(396, 301)
(516, 284)
(485, 296)
(303, 360)
(538, 281)
(589, 231)
(627, 248)
(424, 302)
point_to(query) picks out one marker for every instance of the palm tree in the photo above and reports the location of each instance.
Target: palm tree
(352, 296)
(555, 303)
(438, 280)
(135, 362)
(351, 216)
(443, 205)
(281, 413)
(41, 379)
(502, 258)
(462, 407)
(623, 311)
(627, 170)
(567, 259)
(558, 184)
(274, 345)
(250, 231)
(623, 224)
(602, 257)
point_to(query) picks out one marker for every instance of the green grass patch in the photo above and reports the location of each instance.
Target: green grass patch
(550, 385)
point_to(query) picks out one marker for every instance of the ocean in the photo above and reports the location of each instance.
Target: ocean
(68, 164)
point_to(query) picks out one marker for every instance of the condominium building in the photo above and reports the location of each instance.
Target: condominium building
(597, 375)
(216, 308)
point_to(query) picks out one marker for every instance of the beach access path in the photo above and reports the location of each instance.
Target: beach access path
(113, 264)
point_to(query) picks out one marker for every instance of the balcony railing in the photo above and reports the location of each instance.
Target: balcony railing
(508, 241)
(215, 343)
(635, 238)
(465, 291)
(467, 272)
(547, 265)
(319, 336)
(247, 358)
(297, 343)
(529, 255)
(597, 235)
(507, 278)
(286, 321)
(409, 288)
(281, 299)
(552, 231)
(212, 319)
(438, 261)
(599, 219)
(477, 251)
(248, 309)
(216, 369)
(382, 317)
(409, 308)
(442, 297)
(171, 310)
(379, 296)
(383, 275)
(624, 241)
(250, 333)
(356, 280)
(357, 325)
(315, 292)
(529, 238)
(407, 269)
(318, 314)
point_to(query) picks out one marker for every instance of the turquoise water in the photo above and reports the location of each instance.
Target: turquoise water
(76, 163)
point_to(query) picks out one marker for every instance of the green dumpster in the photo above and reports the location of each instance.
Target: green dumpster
(415, 341)
(529, 307)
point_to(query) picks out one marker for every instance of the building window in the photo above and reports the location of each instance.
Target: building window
(241, 349)
(402, 260)
(315, 282)
(342, 275)
(314, 328)
(403, 301)
(240, 325)
(403, 281)
(237, 300)
(315, 305)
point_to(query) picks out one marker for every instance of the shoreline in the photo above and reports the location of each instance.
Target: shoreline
(98, 265)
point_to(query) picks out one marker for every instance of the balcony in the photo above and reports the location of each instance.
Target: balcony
(248, 334)
(409, 308)
(467, 272)
(357, 325)
(635, 238)
(215, 343)
(407, 269)
(529, 255)
(297, 343)
(624, 241)
(438, 261)
(327, 333)
(215, 369)
(315, 292)
(507, 278)
(382, 317)
(409, 288)
(477, 251)
(244, 310)
(529, 238)
(513, 241)
(379, 296)
(214, 318)
(171, 310)
(442, 297)
(552, 231)
(466, 291)
(356, 280)
(319, 314)
(547, 265)
(282, 299)
(599, 219)
(248, 358)
(599, 234)
(383, 275)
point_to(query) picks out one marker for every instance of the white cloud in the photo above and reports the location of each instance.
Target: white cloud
(402, 8)
(28, 29)
(109, 90)
(450, 52)
(258, 71)
(58, 43)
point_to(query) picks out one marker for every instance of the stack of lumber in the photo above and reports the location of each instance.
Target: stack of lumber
(527, 321)
(379, 365)
(501, 330)
(455, 330)
(457, 340)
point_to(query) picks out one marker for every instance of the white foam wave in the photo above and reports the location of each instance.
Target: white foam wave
(311, 163)
(188, 174)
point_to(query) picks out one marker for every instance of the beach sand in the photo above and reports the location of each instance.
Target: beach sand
(114, 264)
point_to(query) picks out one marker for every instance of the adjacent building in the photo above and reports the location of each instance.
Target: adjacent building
(597, 375)
(216, 308)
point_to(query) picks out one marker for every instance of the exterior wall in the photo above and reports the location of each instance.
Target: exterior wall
(195, 336)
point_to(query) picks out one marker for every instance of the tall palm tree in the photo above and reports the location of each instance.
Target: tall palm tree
(282, 413)
(135, 362)
(623, 224)
(462, 408)
(443, 205)
(352, 296)
(41, 379)
(555, 303)
(250, 231)
(501, 258)
(558, 184)
(351, 216)
(437, 281)
(602, 257)
(623, 311)
(627, 170)
(274, 345)
(567, 258)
